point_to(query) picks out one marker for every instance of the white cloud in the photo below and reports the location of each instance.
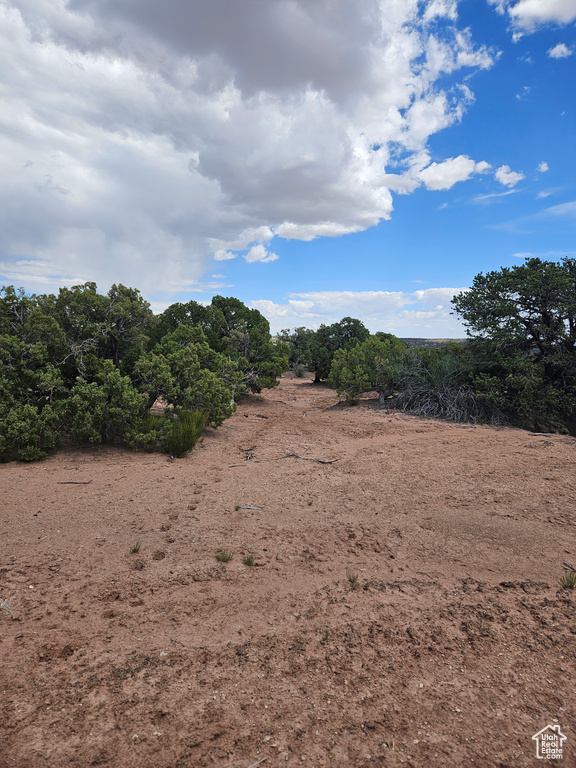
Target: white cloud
(543, 167)
(560, 51)
(259, 253)
(567, 210)
(529, 15)
(223, 255)
(492, 196)
(507, 177)
(444, 175)
(425, 313)
(139, 138)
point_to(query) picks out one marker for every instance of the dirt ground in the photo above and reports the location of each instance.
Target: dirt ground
(403, 606)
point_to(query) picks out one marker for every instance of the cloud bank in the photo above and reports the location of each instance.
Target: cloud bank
(425, 313)
(140, 138)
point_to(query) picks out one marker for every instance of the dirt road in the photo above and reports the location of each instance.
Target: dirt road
(403, 606)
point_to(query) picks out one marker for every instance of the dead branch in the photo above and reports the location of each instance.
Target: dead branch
(257, 762)
(74, 482)
(570, 567)
(307, 458)
(238, 506)
(288, 456)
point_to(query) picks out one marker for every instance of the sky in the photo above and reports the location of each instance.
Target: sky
(314, 158)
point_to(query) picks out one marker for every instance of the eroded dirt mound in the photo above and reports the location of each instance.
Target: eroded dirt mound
(403, 606)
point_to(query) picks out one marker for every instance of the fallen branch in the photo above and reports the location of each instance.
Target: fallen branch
(74, 482)
(570, 567)
(240, 507)
(287, 456)
(306, 458)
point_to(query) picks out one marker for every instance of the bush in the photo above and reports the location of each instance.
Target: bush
(370, 366)
(299, 371)
(186, 429)
(107, 409)
(434, 384)
(27, 432)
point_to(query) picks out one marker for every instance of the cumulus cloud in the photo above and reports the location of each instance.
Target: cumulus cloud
(425, 312)
(139, 138)
(259, 253)
(529, 15)
(444, 175)
(543, 167)
(560, 51)
(507, 177)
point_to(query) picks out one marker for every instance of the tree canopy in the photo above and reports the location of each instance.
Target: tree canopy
(92, 365)
(522, 324)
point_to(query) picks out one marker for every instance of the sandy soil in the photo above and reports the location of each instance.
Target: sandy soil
(453, 647)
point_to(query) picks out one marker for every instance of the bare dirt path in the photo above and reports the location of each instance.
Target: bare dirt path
(403, 607)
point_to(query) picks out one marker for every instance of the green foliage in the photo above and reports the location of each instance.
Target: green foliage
(93, 365)
(434, 383)
(184, 371)
(297, 341)
(568, 580)
(299, 371)
(248, 560)
(248, 342)
(105, 409)
(522, 321)
(240, 334)
(370, 366)
(186, 429)
(223, 556)
(210, 320)
(27, 432)
(328, 339)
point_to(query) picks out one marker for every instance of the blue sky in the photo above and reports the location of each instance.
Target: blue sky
(315, 158)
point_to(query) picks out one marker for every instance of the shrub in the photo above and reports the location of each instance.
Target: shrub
(434, 384)
(27, 432)
(186, 429)
(299, 371)
(106, 409)
(370, 366)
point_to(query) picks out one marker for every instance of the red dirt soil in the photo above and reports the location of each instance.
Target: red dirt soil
(403, 608)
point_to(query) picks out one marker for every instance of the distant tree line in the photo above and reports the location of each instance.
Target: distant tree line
(518, 365)
(92, 366)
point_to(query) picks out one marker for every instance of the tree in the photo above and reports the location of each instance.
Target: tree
(298, 341)
(328, 339)
(248, 341)
(183, 370)
(367, 367)
(193, 315)
(522, 321)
